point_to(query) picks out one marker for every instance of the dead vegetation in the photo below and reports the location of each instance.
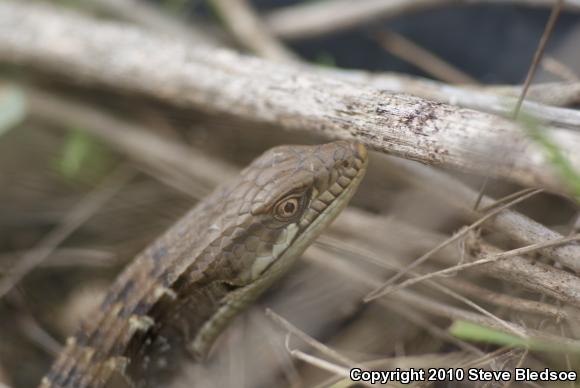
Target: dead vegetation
(116, 117)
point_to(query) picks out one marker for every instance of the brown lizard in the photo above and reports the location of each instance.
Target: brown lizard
(175, 298)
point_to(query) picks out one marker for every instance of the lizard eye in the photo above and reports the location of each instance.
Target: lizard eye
(287, 208)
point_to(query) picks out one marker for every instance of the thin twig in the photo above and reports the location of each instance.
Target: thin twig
(533, 275)
(487, 358)
(411, 52)
(521, 229)
(320, 363)
(71, 222)
(310, 19)
(136, 141)
(556, 9)
(309, 340)
(566, 355)
(549, 93)
(460, 267)
(288, 368)
(505, 300)
(418, 319)
(519, 365)
(247, 28)
(379, 236)
(508, 326)
(481, 193)
(379, 291)
(530, 75)
(353, 273)
(147, 15)
(556, 67)
(368, 256)
(63, 257)
(38, 335)
(503, 200)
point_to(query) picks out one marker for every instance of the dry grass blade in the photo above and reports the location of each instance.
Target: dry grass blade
(309, 340)
(531, 72)
(460, 267)
(71, 222)
(556, 9)
(147, 15)
(520, 228)
(556, 67)
(427, 61)
(38, 335)
(63, 257)
(519, 365)
(380, 290)
(420, 320)
(319, 363)
(142, 144)
(512, 303)
(368, 256)
(313, 19)
(500, 201)
(247, 28)
(431, 306)
(380, 236)
(488, 358)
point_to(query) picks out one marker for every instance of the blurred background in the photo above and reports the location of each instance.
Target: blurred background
(89, 177)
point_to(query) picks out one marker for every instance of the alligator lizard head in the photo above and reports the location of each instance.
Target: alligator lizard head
(288, 196)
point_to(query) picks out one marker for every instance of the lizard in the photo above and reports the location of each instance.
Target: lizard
(173, 300)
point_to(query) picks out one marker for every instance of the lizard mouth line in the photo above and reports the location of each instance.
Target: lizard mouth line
(302, 240)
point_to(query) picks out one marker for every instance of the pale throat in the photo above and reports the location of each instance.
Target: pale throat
(284, 240)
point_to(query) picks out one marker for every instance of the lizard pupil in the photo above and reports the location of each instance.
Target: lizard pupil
(289, 208)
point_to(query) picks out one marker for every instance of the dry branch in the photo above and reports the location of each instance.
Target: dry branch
(424, 303)
(550, 93)
(256, 36)
(385, 289)
(511, 223)
(323, 17)
(148, 16)
(534, 276)
(253, 34)
(256, 91)
(513, 303)
(374, 232)
(485, 99)
(380, 235)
